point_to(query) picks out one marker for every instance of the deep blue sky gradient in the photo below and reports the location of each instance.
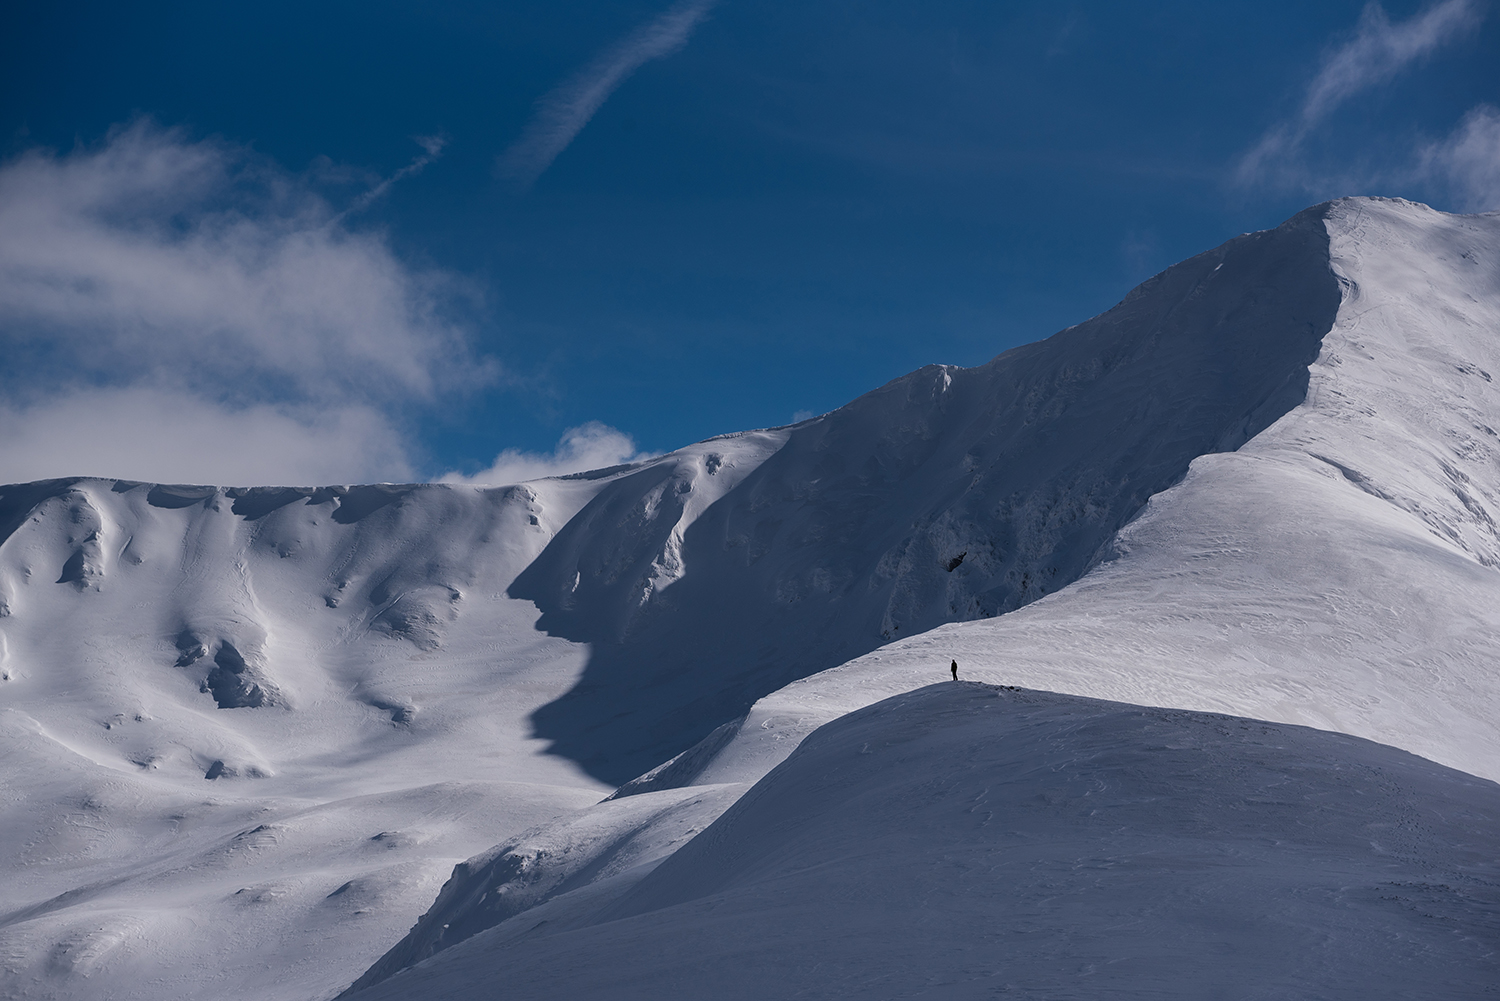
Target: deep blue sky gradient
(807, 200)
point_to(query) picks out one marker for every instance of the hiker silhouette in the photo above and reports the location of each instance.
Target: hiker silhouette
(955, 670)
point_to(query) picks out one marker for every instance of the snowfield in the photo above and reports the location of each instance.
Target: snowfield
(247, 733)
(964, 841)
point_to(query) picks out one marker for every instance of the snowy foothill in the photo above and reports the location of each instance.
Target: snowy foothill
(964, 841)
(248, 734)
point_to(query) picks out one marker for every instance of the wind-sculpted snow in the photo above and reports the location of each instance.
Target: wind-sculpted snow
(247, 732)
(965, 841)
(947, 495)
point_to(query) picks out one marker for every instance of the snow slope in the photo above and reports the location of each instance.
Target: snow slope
(949, 494)
(964, 841)
(1338, 570)
(1263, 485)
(157, 845)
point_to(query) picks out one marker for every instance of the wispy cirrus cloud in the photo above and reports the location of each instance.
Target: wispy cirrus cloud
(185, 309)
(1378, 51)
(1467, 163)
(563, 112)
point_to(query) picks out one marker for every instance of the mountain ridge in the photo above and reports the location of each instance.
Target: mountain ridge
(1333, 572)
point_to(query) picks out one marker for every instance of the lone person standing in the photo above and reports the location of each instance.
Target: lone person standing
(955, 670)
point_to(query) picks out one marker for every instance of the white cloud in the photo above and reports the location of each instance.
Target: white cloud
(1379, 50)
(1467, 163)
(564, 112)
(185, 309)
(591, 446)
(148, 434)
(156, 255)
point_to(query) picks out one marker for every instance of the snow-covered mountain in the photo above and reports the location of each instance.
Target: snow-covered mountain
(722, 572)
(248, 732)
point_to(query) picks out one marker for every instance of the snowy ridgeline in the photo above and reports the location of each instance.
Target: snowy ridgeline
(964, 841)
(248, 732)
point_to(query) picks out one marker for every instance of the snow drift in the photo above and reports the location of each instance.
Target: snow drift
(966, 841)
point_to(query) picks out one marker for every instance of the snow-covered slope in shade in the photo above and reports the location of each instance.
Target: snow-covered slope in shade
(963, 841)
(949, 494)
(1338, 570)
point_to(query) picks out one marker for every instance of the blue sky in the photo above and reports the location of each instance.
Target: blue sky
(329, 242)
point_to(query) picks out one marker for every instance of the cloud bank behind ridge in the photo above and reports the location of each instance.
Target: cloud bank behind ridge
(185, 310)
(589, 446)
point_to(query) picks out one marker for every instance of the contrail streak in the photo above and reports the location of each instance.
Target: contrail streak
(564, 112)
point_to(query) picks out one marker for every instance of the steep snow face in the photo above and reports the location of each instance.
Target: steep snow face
(963, 841)
(947, 495)
(1405, 401)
